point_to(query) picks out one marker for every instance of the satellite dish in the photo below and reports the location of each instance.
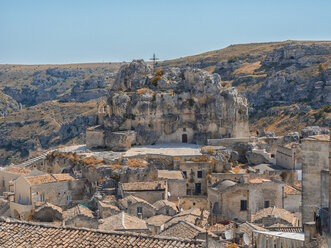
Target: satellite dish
(228, 234)
(169, 193)
(246, 239)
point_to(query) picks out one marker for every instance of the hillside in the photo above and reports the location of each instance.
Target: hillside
(288, 86)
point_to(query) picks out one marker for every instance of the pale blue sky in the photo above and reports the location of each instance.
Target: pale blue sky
(69, 31)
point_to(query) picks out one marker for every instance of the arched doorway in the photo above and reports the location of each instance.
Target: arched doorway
(184, 138)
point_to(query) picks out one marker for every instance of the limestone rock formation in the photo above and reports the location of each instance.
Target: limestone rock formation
(174, 105)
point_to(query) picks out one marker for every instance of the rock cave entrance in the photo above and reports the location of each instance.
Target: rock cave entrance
(184, 138)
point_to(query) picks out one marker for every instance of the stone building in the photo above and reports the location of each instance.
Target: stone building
(156, 223)
(33, 191)
(272, 216)
(315, 180)
(239, 200)
(195, 172)
(124, 222)
(165, 207)
(289, 156)
(9, 174)
(148, 191)
(293, 199)
(273, 239)
(175, 181)
(48, 212)
(107, 209)
(173, 106)
(80, 216)
(137, 207)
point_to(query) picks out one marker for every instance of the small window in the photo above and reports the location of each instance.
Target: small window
(167, 211)
(184, 129)
(199, 174)
(185, 174)
(68, 199)
(266, 204)
(42, 197)
(243, 205)
(3, 183)
(139, 210)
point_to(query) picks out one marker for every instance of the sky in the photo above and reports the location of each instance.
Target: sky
(83, 31)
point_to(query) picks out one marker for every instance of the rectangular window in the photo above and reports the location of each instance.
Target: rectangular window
(68, 199)
(185, 174)
(42, 197)
(199, 174)
(198, 188)
(139, 210)
(243, 205)
(266, 204)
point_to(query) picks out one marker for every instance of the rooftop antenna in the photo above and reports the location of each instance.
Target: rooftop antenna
(154, 59)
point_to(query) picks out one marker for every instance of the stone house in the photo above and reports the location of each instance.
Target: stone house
(156, 223)
(137, 207)
(80, 216)
(272, 216)
(165, 207)
(186, 230)
(107, 209)
(315, 171)
(195, 172)
(289, 156)
(273, 239)
(9, 174)
(192, 201)
(240, 200)
(148, 191)
(175, 181)
(124, 222)
(48, 212)
(293, 199)
(32, 191)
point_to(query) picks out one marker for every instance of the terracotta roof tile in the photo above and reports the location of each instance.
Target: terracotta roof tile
(17, 170)
(162, 203)
(77, 210)
(13, 235)
(122, 222)
(63, 177)
(158, 220)
(42, 179)
(289, 190)
(276, 213)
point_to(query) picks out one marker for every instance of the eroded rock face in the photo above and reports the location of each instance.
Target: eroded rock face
(175, 105)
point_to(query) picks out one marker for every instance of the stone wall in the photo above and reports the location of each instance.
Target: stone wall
(188, 202)
(314, 160)
(147, 211)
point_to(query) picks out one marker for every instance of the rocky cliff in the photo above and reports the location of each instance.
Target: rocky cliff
(165, 105)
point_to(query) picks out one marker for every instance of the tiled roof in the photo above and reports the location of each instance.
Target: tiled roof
(42, 179)
(63, 177)
(17, 170)
(77, 210)
(182, 229)
(161, 203)
(170, 174)
(138, 186)
(107, 205)
(49, 205)
(289, 190)
(158, 220)
(123, 222)
(13, 235)
(190, 216)
(277, 213)
(129, 200)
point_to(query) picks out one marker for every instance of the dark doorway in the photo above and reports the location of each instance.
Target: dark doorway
(184, 138)
(198, 188)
